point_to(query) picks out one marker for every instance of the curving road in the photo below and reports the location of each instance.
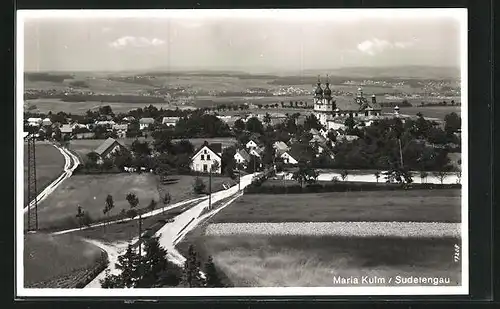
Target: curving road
(171, 233)
(71, 162)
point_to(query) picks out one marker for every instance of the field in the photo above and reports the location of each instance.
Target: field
(285, 261)
(56, 105)
(197, 87)
(49, 165)
(403, 206)
(47, 257)
(58, 211)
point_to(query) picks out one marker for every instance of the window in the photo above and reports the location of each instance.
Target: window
(202, 157)
(205, 168)
(205, 151)
(208, 157)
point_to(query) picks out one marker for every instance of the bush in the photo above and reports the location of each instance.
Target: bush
(344, 187)
(199, 186)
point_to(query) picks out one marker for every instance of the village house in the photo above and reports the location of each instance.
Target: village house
(257, 152)
(251, 144)
(205, 157)
(121, 130)
(170, 121)
(66, 129)
(128, 118)
(145, 123)
(293, 156)
(108, 148)
(242, 157)
(46, 122)
(34, 122)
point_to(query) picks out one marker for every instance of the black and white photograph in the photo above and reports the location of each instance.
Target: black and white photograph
(241, 152)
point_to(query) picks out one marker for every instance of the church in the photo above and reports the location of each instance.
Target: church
(331, 117)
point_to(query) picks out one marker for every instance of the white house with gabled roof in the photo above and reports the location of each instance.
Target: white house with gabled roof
(206, 156)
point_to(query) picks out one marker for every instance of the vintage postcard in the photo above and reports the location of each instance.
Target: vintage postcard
(242, 152)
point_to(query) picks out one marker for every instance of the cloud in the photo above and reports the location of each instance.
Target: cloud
(376, 46)
(135, 42)
(105, 29)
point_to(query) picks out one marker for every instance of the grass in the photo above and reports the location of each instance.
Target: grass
(49, 165)
(126, 231)
(58, 211)
(47, 257)
(272, 261)
(415, 206)
(90, 191)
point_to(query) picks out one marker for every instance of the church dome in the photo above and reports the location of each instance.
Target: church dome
(327, 92)
(319, 91)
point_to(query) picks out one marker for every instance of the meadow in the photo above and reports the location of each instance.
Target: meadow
(299, 261)
(49, 165)
(59, 210)
(48, 258)
(377, 206)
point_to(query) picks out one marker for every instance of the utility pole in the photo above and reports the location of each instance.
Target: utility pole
(210, 189)
(239, 178)
(400, 152)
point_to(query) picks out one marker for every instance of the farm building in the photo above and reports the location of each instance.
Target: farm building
(107, 148)
(280, 147)
(46, 122)
(170, 121)
(34, 122)
(145, 123)
(205, 157)
(66, 129)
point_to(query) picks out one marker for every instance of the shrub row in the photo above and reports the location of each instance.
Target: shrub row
(344, 187)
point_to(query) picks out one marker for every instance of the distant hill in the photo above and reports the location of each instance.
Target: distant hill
(403, 72)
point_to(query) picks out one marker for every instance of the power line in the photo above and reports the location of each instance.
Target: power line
(32, 189)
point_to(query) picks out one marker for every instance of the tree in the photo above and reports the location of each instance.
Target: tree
(79, 215)
(212, 278)
(423, 176)
(350, 123)
(458, 173)
(312, 122)
(140, 148)
(344, 175)
(199, 186)
(305, 174)
(166, 200)
(156, 270)
(191, 275)
(441, 175)
(152, 205)
(108, 206)
(377, 175)
(267, 119)
(129, 263)
(239, 125)
(133, 200)
(453, 123)
(254, 125)
(92, 158)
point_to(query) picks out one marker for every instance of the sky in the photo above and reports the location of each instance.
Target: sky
(273, 40)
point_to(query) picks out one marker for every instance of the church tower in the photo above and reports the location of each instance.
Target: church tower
(323, 102)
